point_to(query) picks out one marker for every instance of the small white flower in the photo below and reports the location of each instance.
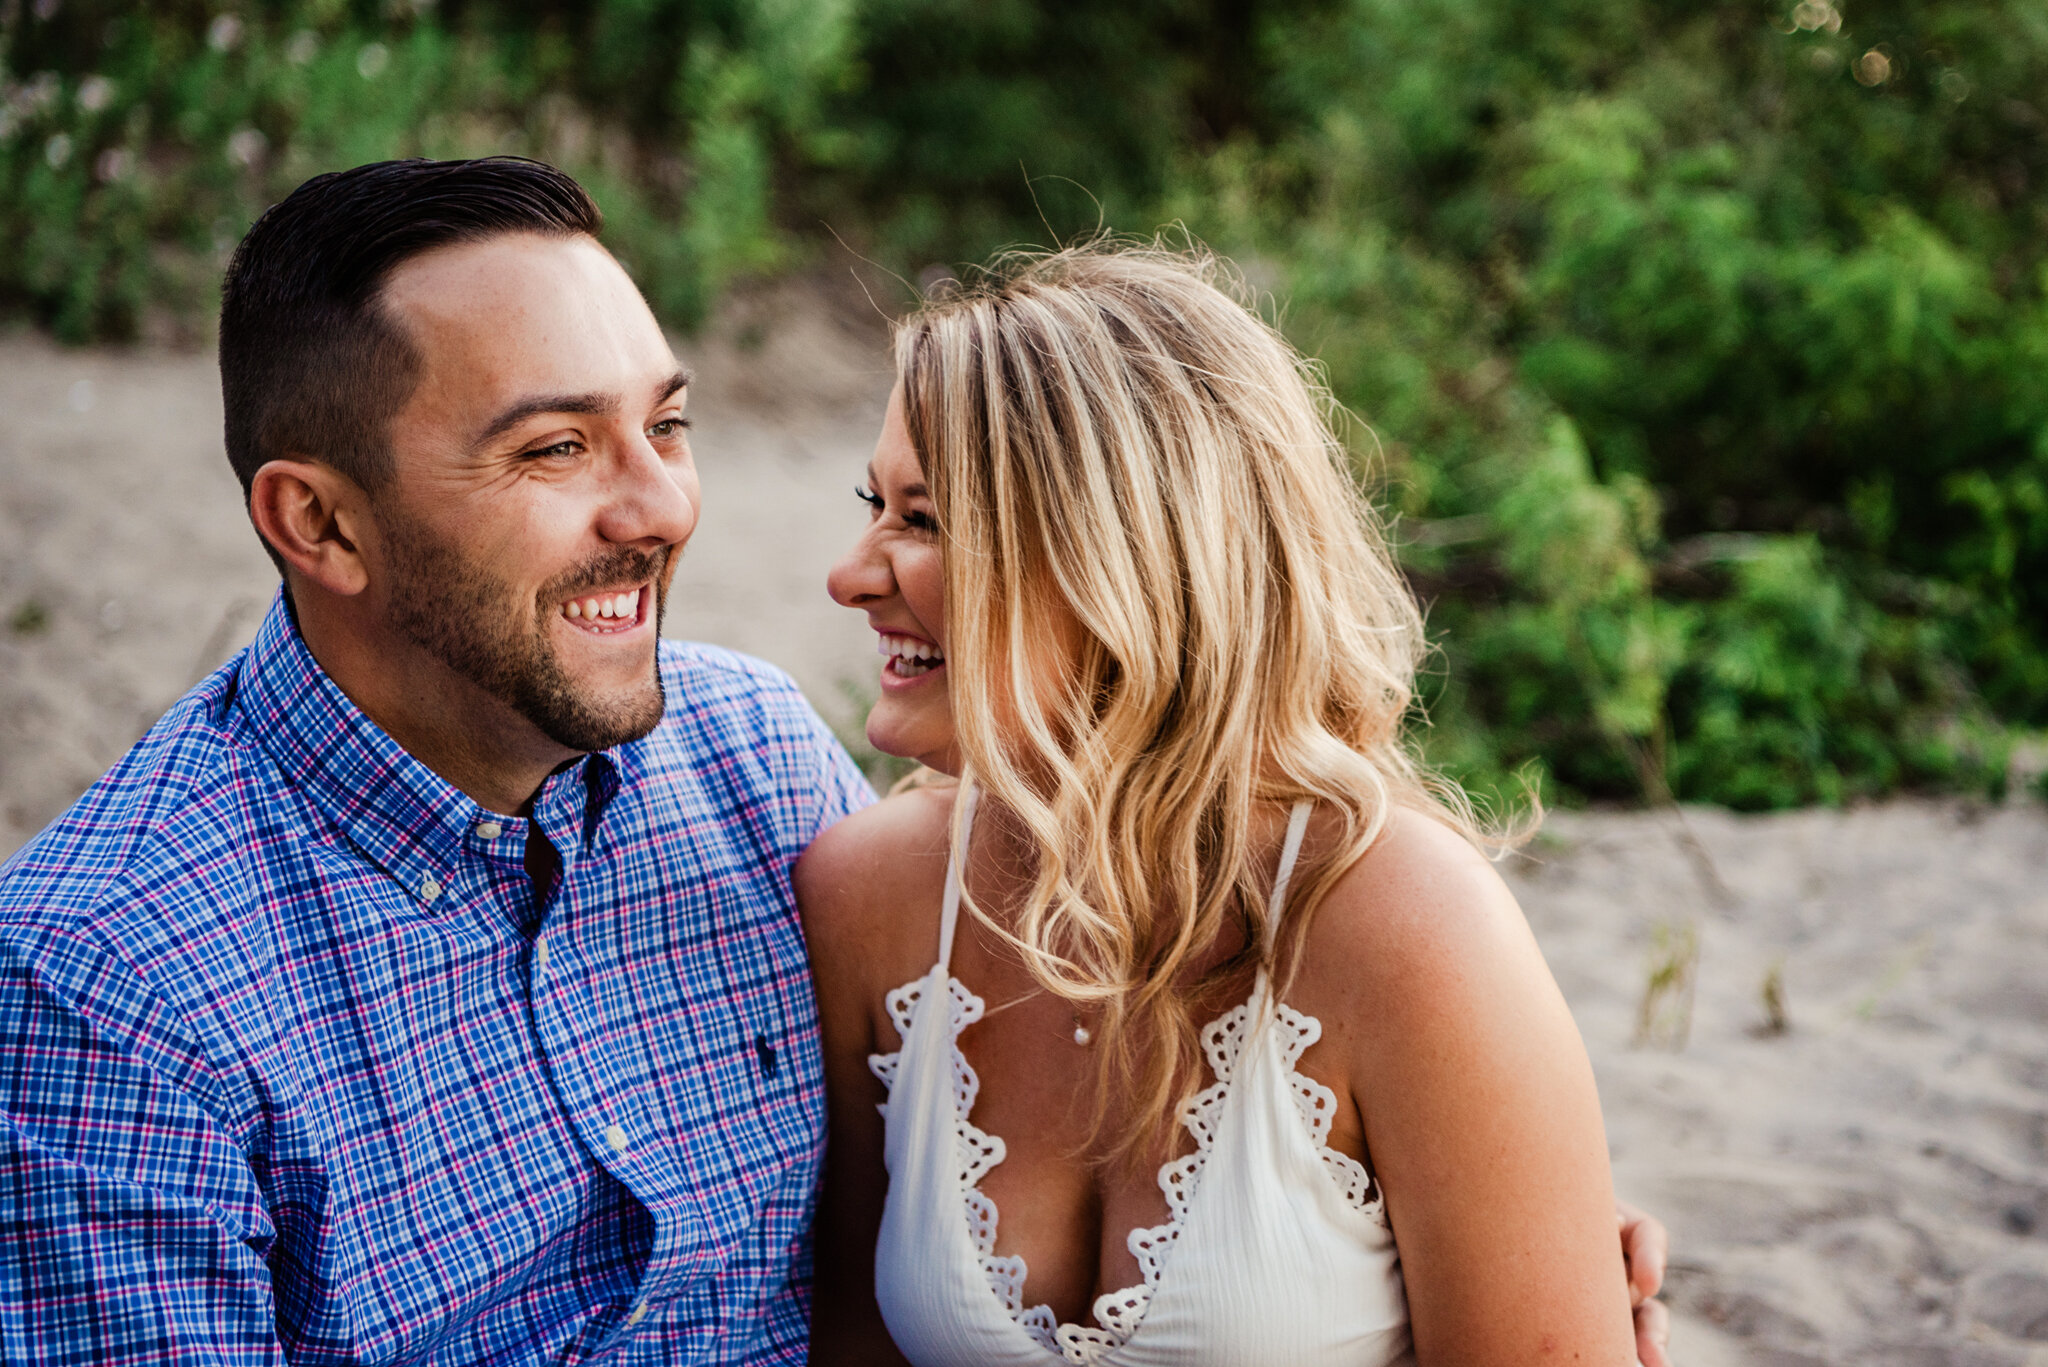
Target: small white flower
(57, 150)
(38, 93)
(246, 146)
(303, 47)
(224, 32)
(95, 93)
(114, 164)
(372, 60)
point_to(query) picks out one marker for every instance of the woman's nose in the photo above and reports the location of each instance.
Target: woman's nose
(861, 576)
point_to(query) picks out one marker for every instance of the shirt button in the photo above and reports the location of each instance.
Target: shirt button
(540, 957)
(429, 889)
(639, 1312)
(615, 1137)
(489, 830)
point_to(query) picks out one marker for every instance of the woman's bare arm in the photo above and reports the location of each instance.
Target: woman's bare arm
(869, 900)
(1479, 1109)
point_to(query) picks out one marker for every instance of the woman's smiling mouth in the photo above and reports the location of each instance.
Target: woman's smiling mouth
(908, 657)
(608, 614)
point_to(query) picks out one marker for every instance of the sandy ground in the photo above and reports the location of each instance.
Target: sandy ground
(1868, 1186)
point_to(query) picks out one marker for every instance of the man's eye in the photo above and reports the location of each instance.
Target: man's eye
(669, 427)
(560, 448)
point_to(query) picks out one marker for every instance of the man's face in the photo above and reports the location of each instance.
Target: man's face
(542, 484)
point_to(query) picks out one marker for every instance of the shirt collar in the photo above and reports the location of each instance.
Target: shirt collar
(398, 813)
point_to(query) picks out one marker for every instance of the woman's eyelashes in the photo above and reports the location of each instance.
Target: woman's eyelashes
(916, 520)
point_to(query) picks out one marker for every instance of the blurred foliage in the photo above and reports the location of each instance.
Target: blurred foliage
(137, 143)
(1701, 348)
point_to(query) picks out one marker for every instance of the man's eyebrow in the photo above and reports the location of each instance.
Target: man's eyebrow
(669, 387)
(601, 405)
(598, 405)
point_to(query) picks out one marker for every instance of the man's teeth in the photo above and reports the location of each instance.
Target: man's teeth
(908, 656)
(608, 606)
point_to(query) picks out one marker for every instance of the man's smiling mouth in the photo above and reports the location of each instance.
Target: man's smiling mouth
(607, 614)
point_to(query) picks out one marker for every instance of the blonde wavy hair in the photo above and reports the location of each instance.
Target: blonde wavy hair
(1125, 460)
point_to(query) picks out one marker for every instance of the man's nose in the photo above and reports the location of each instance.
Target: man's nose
(655, 501)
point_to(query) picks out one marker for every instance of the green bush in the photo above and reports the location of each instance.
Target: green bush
(1699, 346)
(137, 145)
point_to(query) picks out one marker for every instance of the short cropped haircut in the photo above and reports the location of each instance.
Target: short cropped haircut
(310, 364)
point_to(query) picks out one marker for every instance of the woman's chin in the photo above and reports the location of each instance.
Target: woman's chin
(931, 746)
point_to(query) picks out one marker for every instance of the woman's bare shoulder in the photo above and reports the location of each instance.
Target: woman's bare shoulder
(1477, 1101)
(859, 884)
(1421, 923)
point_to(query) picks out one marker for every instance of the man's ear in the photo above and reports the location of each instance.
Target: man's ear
(310, 513)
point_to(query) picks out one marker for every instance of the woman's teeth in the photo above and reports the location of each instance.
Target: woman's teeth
(607, 607)
(908, 656)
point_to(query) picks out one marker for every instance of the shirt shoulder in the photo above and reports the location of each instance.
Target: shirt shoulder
(712, 675)
(173, 811)
(741, 724)
(723, 705)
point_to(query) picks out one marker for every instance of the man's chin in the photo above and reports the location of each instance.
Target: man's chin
(590, 725)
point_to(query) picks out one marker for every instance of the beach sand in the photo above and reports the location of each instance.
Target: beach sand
(1868, 1185)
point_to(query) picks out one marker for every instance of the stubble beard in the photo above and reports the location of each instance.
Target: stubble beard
(474, 623)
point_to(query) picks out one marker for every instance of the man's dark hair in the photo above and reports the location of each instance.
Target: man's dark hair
(310, 364)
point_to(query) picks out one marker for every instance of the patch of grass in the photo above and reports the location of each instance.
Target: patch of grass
(30, 619)
(1664, 1017)
(1776, 1021)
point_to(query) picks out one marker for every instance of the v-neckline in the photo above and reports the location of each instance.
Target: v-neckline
(1179, 1178)
(1119, 1315)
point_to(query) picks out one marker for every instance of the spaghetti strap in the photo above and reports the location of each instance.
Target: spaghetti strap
(949, 910)
(1297, 826)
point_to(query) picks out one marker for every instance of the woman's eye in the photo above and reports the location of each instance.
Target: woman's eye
(915, 520)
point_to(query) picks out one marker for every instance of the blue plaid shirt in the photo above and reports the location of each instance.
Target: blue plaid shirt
(295, 1067)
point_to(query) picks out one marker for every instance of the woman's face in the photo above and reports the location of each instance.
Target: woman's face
(893, 574)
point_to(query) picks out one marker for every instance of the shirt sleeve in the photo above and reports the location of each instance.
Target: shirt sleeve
(844, 789)
(827, 784)
(132, 1228)
(787, 1336)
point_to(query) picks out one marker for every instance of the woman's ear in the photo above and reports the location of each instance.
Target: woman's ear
(309, 512)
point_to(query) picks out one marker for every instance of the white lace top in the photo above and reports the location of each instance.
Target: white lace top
(1276, 1253)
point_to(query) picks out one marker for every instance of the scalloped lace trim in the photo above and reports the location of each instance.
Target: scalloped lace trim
(1318, 1107)
(1119, 1313)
